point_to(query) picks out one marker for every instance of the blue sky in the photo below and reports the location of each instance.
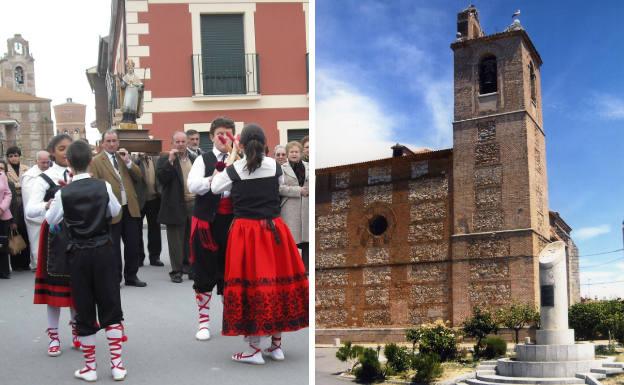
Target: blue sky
(384, 74)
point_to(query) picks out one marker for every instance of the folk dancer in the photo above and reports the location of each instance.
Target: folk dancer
(266, 287)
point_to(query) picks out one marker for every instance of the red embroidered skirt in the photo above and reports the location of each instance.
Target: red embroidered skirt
(54, 291)
(266, 288)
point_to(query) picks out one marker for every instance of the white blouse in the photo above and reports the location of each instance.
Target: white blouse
(35, 207)
(222, 182)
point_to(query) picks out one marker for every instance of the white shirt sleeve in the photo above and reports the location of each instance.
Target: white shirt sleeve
(221, 183)
(35, 206)
(113, 204)
(196, 182)
(55, 214)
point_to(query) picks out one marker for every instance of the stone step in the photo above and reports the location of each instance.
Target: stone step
(529, 380)
(597, 376)
(613, 365)
(486, 371)
(473, 381)
(490, 362)
(607, 371)
(486, 367)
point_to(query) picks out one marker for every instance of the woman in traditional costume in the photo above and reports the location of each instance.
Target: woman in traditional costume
(266, 287)
(52, 282)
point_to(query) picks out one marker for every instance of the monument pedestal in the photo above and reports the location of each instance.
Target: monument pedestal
(135, 140)
(555, 359)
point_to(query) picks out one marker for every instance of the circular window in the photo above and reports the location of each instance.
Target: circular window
(378, 225)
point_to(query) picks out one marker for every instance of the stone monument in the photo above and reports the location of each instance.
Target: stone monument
(554, 358)
(131, 95)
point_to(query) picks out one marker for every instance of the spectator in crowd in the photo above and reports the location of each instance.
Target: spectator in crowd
(33, 225)
(115, 166)
(15, 170)
(5, 219)
(294, 192)
(176, 207)
(305, 142)
(279, 152)
(150, 196)
(192, 139)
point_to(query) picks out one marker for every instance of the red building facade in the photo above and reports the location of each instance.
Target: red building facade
(202, 59)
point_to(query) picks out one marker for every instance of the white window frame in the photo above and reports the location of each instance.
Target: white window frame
(197, 10)
(285, 125)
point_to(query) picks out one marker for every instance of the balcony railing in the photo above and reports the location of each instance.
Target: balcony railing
(233, 75)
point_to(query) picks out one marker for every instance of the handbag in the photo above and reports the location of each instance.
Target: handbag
(16, 243)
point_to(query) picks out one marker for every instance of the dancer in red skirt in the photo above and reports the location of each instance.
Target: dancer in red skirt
(54, 291)
(266, 288)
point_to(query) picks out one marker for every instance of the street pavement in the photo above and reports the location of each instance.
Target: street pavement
(326, 365)
(160, 321)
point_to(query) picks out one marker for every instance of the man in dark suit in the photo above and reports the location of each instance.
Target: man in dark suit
(176, 206)
(115, 166)
(192, 142)
(148, 191)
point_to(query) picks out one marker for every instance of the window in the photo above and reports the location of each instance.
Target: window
(204, 141)
(225, 67)
(487, 75)
(378, 225)
(297, 134)
(19, 75)
(532, 79)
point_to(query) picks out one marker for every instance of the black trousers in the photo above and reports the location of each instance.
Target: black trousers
(154, 243)
(305, 253)
(4, 256)
(127, 230)
(95, 289)
(21, 261)
(209, 267)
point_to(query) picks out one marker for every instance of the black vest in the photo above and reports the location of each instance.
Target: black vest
(85, 206)
(255, 198)
(52, 187)
(206, 205)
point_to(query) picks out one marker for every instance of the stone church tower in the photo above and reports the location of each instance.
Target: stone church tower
(427, 235)
(17, 67)
(501, 217)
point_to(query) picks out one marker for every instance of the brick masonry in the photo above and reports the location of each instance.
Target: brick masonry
(464, 226)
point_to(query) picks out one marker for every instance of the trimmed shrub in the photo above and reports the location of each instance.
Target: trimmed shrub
(399, 358)
(479, 326)
(427, 366)
(494, 347)
(439, 339)
(370, 369)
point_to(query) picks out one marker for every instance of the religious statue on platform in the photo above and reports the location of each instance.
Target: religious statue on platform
(131, 95)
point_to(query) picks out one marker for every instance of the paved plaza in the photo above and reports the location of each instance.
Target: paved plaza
(161, 348)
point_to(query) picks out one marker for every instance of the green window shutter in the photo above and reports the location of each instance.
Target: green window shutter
(297, 134)
(204, 141)
(223, 54)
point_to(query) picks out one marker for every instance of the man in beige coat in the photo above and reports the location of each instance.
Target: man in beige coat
(294, 192)
(115, 166)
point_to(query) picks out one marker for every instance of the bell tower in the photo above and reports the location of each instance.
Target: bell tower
(17, 66)
(501, 218)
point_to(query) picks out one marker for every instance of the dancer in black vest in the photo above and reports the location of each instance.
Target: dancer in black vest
(212, 216)
(266, 287)
(86, 207)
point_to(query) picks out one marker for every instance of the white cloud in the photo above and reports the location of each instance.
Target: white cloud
(422, 75)
(602, 284)
(586, 233)
(609, 106)
(351, 126)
